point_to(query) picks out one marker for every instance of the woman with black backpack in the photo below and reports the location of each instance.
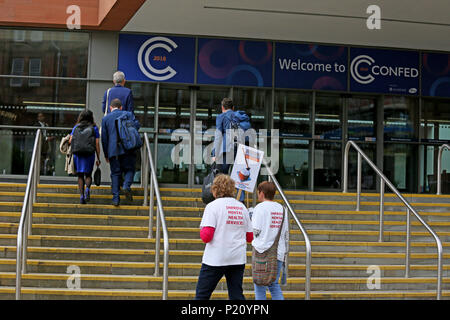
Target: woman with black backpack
(85, 142)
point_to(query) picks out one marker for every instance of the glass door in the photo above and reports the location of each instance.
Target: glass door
(361, 128)
(174, 114)
(208, 107)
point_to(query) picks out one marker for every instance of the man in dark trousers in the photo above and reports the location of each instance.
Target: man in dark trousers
(119, 91)
(120, 160)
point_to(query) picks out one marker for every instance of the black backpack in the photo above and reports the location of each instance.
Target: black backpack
(207, 195)
(83, 140)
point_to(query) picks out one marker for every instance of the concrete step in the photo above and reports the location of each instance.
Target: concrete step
(197, 244)
(150, 282)
(193, 269)
(194, 256)
(84, 294)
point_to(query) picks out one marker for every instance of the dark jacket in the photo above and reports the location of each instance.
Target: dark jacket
(223, 122)
(109, 133)
(123, 94)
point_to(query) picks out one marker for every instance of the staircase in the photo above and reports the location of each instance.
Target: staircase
(110, 247)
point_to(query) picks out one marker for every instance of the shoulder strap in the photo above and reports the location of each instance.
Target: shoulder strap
(107, 102)
(116, 123)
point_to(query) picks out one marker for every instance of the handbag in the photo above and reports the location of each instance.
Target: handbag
(264, 265)
(97, 177)
(207, 195)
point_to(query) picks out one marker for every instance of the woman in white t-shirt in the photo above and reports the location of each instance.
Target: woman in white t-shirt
(225, 228)
(266, 220)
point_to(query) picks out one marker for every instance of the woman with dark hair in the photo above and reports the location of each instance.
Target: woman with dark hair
(85, 144)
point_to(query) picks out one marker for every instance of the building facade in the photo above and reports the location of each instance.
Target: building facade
(318, 74)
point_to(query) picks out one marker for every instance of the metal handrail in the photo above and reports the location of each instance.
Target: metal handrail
(26, 217)
(160, 219)
(439, 166)
(384, 181)
(305, 235)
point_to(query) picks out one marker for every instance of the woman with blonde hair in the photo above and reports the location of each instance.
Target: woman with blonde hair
(225, 228)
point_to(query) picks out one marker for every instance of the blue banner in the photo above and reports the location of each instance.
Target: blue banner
(436, 75)
(309, 66)
(157, 58)
(384, 71)
(234, 62)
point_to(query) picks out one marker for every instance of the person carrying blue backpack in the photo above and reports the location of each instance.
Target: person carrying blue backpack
(225, 147)
(120, 141)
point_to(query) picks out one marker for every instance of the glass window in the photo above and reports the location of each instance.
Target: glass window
(292, 114)
(435, 120)
(400, 165)
(144, 102)
(361, 118)
(428, 171)
(327, 165)
(208, 107)
(17, 148)
(368, 175)
(59, 104)
(58, 53)
(256, 103)
(400, 118)
(328, 123)
(294, 164)
(174, 113)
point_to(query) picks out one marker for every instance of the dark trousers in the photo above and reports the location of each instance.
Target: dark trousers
(122, 164)
(210, 276)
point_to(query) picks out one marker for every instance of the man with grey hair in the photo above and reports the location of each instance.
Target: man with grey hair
(119, 91)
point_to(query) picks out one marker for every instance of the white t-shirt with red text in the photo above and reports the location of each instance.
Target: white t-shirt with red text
(231, 221)
(266, 220)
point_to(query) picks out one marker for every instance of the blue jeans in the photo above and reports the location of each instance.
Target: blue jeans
(122, 164)
(210, 276)
(274, 288)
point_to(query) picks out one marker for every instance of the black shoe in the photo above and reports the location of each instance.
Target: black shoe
(116, 203)
(128, 195)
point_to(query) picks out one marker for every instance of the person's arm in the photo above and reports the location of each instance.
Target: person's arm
(208, 224)
(130, 103)
(207, 234)
(104, 103)
(105, 140)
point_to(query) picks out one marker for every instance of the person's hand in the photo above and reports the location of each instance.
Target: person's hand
(213, 159)
(98, 162)
(107, 160)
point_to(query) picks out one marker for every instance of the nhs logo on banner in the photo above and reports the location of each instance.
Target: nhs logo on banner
(157, 58)
(384, 71)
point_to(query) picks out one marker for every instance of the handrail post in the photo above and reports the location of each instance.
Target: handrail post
(154, 189)
(26, 217)
(144, 174)
(439, 168)
(408, 243)
(358, 185)
(410, 210)
(157, 243)
(382, 187)
(272, 178)
(345, 175)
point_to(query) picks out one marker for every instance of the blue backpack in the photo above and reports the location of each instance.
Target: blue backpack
(127, 134)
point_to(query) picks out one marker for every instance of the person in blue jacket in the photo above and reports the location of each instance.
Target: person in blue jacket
(84, 164)
(119, 91)
(225, 148)
(120, 160)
